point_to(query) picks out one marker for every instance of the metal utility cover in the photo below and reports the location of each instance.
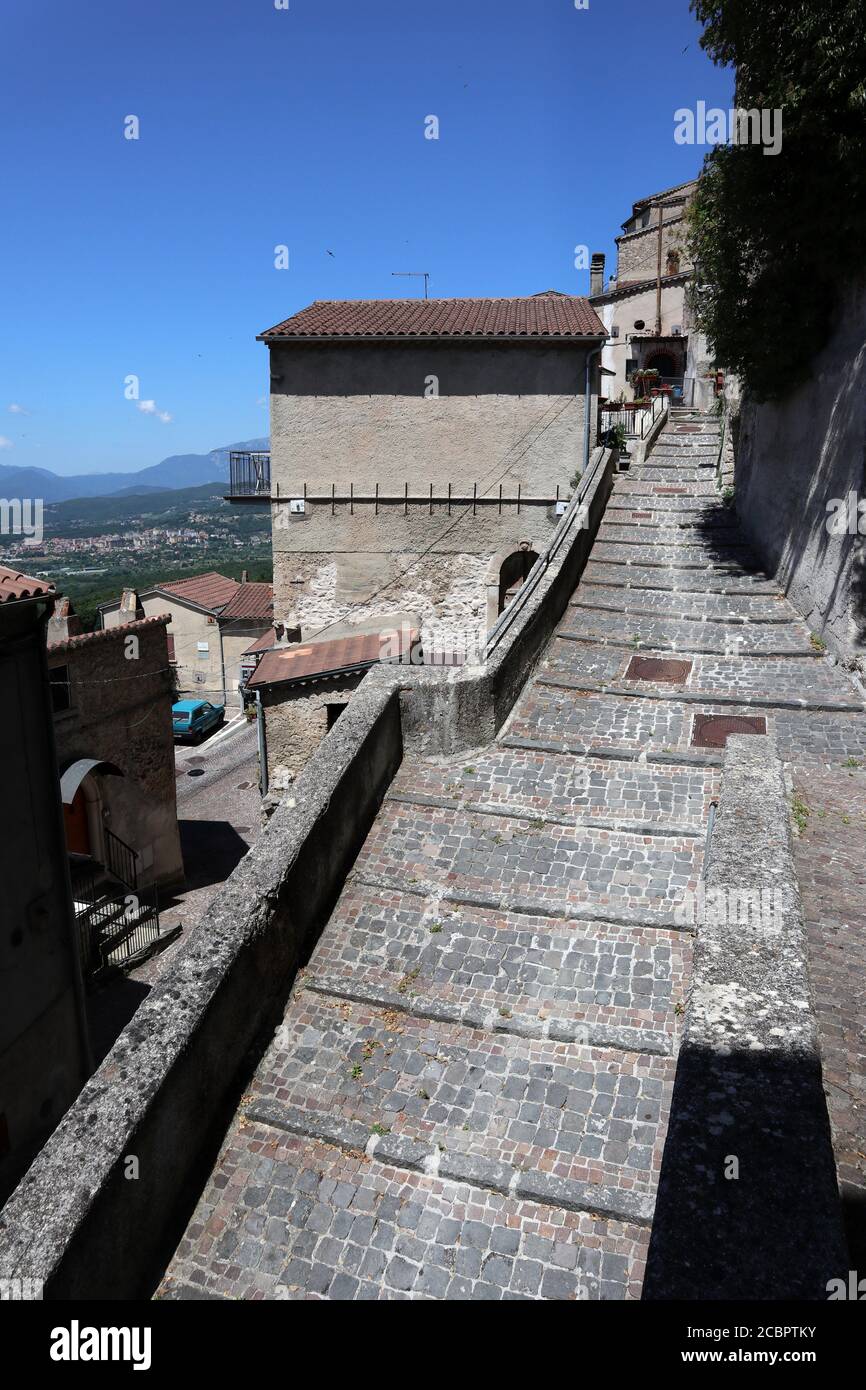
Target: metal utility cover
(656, 668)
(711, 730)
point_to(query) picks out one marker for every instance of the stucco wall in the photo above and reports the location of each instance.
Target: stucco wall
(121, 713)
(236, 637)
(199, 674)
(795, 457)
(624, 313)
(358, 414)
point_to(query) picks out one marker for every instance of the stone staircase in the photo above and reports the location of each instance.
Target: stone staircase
(469, 1093)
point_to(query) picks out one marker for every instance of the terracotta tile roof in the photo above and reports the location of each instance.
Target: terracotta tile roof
(313, 660)
(15, 586)
(262, 644)
(627, 287)
(212, 590)
(108, 634)
(547, 315)
(251, 601)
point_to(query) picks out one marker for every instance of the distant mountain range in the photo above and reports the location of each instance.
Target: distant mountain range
(178, 471)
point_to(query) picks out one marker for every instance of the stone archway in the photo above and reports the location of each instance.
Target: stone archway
(508, 570)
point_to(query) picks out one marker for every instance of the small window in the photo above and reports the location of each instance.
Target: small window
(630, 366)
(614, 332)
(61, 698)
(202, 648)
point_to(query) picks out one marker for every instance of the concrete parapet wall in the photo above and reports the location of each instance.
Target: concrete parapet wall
(748, 1206)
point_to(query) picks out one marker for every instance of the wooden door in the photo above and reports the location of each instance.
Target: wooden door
(75, 820)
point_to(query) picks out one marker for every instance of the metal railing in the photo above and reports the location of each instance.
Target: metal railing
(114, 925)
(638, 422)
(249, 474)
(120, 859)
(576, 512)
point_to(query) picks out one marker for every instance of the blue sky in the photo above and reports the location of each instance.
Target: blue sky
(304, 127)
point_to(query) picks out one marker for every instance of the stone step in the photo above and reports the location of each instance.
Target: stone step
(719, 559)
(626, 486)
(736, 559)
(796, 680)
(662, 472)
(548, 867)
(639, 532)
(732, 609)
(665, 634)
(608, 725)
(488, 1104)
(305, 1218)
(606, 984)
(526, 783)
(675, 581)
(672, 511)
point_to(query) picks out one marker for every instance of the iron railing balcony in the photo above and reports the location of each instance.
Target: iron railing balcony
(249, 477)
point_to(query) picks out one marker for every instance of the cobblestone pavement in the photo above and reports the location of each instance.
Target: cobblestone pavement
(468, 1096)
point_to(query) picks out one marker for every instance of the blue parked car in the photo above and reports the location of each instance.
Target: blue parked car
(192, 719)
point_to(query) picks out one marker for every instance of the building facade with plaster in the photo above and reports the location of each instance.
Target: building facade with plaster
(419, 449)
(645, 306)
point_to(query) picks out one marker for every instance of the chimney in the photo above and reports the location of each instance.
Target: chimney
(130, 606)
(245, 576)
(63, 623)
(596, 273)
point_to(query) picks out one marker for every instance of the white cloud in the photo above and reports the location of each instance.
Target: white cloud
(150, 408)
(16, 409)
(5, 443)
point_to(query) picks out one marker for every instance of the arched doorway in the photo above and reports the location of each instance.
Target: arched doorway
(513, 572)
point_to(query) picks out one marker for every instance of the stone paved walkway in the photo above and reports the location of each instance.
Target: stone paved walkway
(468, 1096)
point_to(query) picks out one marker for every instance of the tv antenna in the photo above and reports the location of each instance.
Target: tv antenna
(417, 275)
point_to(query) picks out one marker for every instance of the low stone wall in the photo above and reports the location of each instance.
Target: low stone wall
(105, 1201)
(748, 1206)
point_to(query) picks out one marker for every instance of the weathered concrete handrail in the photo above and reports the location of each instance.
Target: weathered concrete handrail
(163, 1095)
(748, 1206)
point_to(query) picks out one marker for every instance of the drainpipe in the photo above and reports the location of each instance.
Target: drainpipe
(263, 745)
(593, 352)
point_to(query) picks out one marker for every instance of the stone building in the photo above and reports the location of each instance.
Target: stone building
(303, 690)
(645, 307)
(115, 749)
(211, 621)
(44, 1052)
(419, 449)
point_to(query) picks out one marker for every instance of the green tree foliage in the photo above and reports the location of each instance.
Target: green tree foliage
(776, 237)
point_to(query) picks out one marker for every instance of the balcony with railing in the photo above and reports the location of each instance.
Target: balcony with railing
(635, 417)
(249, 477)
